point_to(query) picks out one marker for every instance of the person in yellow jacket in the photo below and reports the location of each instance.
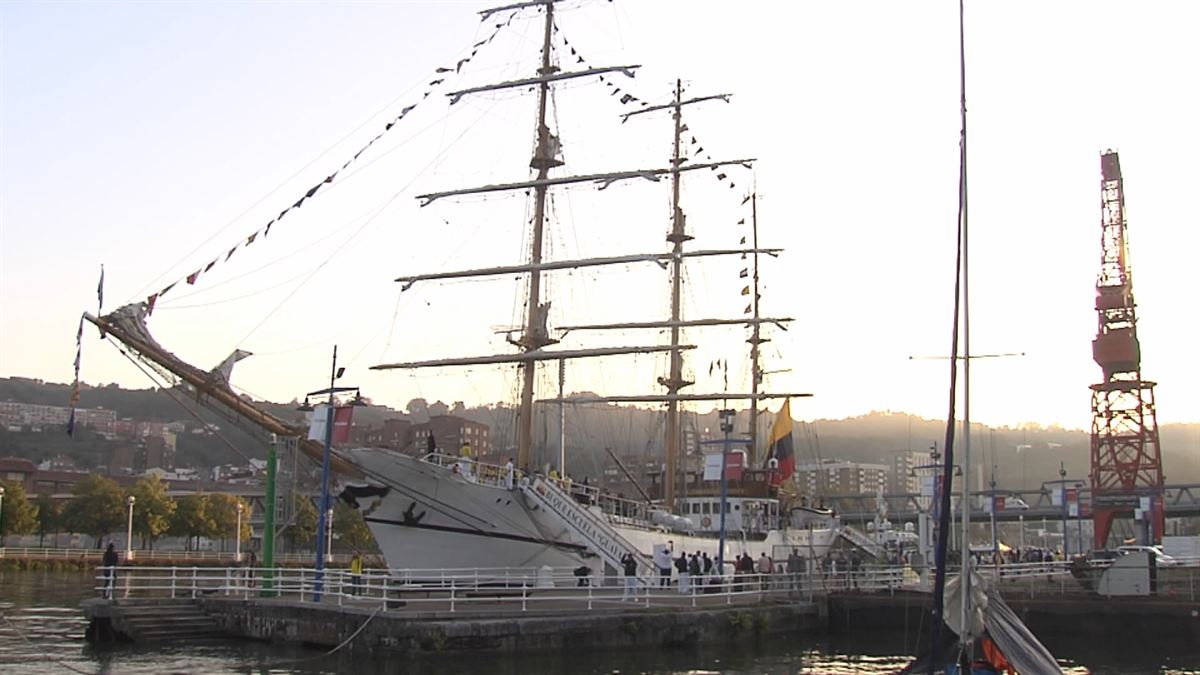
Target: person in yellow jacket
(355, 573)
(464, 458)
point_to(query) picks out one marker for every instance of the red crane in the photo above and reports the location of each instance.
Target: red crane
(1126, 461)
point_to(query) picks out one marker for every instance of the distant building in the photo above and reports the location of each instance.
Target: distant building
(841, 477)
(905, 478)
(450, 432)
(18, 470)
(35, 417)
(395, 433)
(160, 452)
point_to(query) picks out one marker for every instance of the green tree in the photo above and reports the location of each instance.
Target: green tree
(97, 509)
(303, 530)
(350, 530)
(152, 510)
(49, 515)
(18, 515)
(223, 509)
(191, 519)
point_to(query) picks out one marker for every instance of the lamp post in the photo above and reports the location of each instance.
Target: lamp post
(726, 417)
(237, 535)
(329, 536)
(1, 516)
(1079, 514)
(1062, 491)
(1062, 475)
(326, 506)
(129, 530)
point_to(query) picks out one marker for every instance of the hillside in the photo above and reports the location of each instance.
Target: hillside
(591, 428)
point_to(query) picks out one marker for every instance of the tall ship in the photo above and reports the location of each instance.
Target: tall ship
(440, 509)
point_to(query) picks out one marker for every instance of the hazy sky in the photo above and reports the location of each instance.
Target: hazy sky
(153, 137)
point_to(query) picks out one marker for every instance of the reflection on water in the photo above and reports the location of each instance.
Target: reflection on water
(42, 631)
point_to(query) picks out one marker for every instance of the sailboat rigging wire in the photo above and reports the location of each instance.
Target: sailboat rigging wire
(167, 390)
(141, 292)
(944, 520)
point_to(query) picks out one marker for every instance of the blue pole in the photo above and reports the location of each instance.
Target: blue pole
(726, 426)
(319, 586)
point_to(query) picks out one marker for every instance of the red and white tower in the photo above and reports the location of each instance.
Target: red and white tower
(1126, 462)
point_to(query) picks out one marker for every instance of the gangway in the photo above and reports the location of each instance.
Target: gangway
(862, 541)
(591, 528)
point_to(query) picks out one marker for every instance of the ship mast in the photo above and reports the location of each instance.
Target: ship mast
(535, 336)
(755, 338)
(675, 382)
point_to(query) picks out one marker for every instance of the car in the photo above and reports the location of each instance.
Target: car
(1015, 504)
(1160, 559)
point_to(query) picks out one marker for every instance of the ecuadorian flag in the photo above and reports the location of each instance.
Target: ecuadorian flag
(779, 443)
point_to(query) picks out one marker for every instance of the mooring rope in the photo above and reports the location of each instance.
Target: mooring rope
(331, 651)
(38, 649)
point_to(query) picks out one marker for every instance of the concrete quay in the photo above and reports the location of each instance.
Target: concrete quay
(496, 626)
(1175, 618)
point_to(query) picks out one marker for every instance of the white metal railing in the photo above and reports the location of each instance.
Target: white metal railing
(506, 589)
(477, 590)
(616, 509)
(166, 555)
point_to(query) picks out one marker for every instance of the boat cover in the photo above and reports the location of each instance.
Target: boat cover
(992, 617)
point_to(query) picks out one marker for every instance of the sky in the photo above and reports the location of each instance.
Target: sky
(153, 138)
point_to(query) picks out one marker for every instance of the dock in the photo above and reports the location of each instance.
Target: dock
(495, 611)
(513, 611)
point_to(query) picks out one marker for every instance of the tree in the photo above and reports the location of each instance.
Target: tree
(350, 529)
(303, 530)
(191, 519)
(222, 509)
(152, 509)
(49, 515)
(18, 515)
(97, 509)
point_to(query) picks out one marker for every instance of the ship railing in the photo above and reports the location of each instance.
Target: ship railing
(162, 555)
(478, 591)
(618, 509)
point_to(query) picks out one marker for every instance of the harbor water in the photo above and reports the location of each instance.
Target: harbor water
(42, 632)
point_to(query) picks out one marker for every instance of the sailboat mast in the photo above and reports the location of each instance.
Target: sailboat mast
(674, 382)
(535, 336)
(755, 338)
(966, 310)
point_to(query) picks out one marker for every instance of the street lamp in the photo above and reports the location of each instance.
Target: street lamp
(1062, 491)
(237, 535)
(1079, 514)
(129, 530)
(329, 536)
(726, 417)
(1, 516)
(325, 508)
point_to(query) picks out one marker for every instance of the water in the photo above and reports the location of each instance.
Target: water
(42, 632)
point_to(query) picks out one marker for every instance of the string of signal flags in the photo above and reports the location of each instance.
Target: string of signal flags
(440, 77)
(697, 149)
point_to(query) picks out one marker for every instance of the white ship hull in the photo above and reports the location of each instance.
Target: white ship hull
(435, 518)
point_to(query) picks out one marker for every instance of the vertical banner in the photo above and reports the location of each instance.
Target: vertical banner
(343, 420)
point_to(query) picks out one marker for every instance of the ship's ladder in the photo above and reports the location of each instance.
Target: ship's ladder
(862, 541)
(592, 529)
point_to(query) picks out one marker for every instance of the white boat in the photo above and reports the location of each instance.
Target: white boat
(437, 511)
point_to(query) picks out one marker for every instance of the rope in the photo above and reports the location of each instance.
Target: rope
(167, 391)
(331, 651)
(44, 655)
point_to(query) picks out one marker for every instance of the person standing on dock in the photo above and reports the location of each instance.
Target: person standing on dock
(681, 564)
(662, 560)
(629, 564)
(110, 570)
(251, 563)
(355, 573)
(464, 458)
